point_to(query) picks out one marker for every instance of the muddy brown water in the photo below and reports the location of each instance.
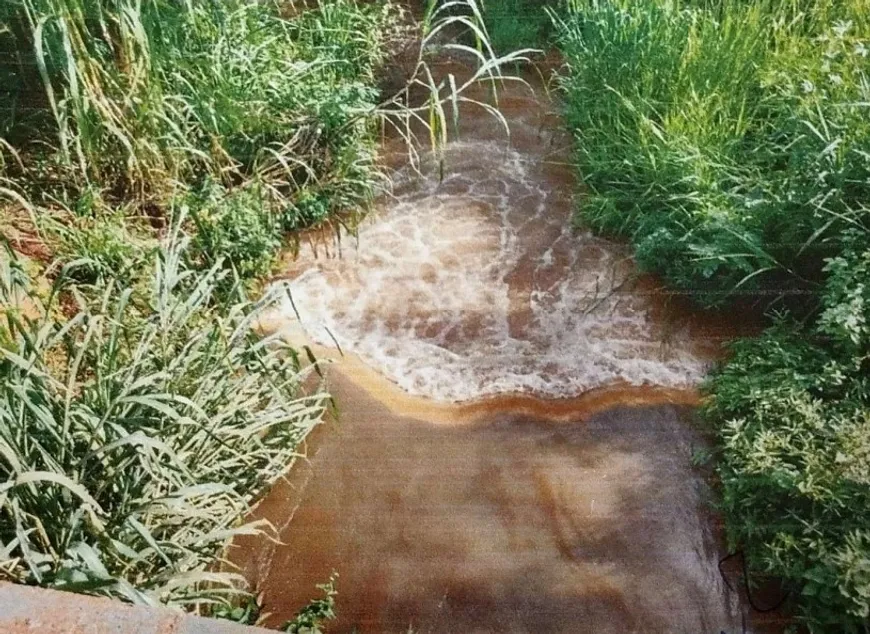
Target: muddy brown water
(510, 523)
(514, 446)
(478, 283)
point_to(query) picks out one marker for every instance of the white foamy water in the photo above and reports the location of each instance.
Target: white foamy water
(478, 285)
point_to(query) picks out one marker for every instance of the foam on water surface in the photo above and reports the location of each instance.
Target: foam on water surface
(477, 284)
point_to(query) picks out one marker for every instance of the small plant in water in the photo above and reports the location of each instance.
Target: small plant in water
(312, 617)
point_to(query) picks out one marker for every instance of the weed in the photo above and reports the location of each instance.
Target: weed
(311, 618)
(235, 228)
(728, 141)
(135, 435)
(517, 24)
(698, 138)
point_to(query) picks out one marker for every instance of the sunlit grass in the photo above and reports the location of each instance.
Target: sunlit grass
(135, 434)
(698, 137)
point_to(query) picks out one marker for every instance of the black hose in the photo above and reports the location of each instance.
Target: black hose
(746, 584)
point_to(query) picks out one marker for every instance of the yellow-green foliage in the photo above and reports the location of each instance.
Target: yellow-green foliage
(139, 104)
(793, 413)
(135, 435)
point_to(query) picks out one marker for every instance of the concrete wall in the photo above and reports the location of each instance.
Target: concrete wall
(26, 610)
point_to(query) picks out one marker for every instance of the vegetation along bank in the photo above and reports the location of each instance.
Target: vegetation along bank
(153, 157)
(154, 154)
(729, 141)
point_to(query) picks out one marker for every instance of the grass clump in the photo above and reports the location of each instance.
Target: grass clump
(151, 104)
(728, 141)
(518, 24)
(234, 228)
(135, 434)
(725, 141)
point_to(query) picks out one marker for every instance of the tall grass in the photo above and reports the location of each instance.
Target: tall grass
(729, 142)
(135, 435)
(145, 103)
(147, 91)
(143, 92)
(717, 138)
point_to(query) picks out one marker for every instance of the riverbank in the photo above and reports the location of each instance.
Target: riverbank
(153, 156)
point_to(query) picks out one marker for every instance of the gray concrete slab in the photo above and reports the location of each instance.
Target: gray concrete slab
(28, 610)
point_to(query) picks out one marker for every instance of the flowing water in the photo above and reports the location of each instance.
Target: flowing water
(477, 284)
(566, 501)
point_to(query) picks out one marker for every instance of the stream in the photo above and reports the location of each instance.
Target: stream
(514, 451)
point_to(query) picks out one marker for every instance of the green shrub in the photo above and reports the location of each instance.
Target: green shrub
(517, 24)
(235, 228)
(729, 142)
(793, 411)
(134, 437)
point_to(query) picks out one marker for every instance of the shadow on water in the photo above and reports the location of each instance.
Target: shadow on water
(506, 524)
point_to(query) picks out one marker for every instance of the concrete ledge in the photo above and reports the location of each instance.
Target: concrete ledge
(27, 610)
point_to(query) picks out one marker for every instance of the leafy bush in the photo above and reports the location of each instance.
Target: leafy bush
(237, 229)
(793, 410)
(134, 437)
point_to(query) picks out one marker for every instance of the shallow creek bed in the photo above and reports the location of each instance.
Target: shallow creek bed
(559, 494)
